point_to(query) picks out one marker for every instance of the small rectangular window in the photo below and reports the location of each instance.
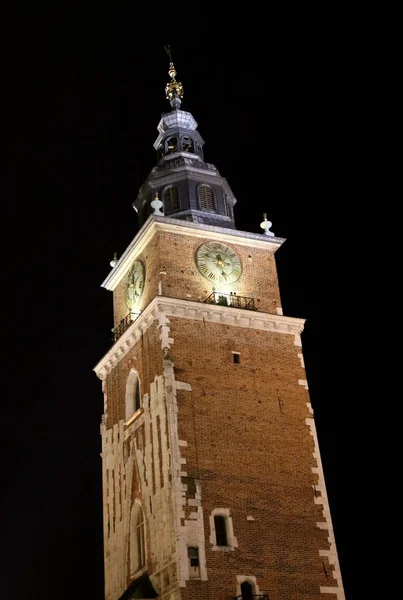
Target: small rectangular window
(220, 530)
(194, 563)
(237, 357)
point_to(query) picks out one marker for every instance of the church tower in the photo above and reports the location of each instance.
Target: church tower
(213, 487)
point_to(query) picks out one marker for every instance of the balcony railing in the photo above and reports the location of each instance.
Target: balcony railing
(253, 597)
(123, 325)
(220, 298)
(231, 300)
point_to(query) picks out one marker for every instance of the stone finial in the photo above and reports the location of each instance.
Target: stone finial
(265, 224)
(114, 262)
(157, 205)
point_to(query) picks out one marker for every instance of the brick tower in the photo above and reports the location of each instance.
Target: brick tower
(213, 486)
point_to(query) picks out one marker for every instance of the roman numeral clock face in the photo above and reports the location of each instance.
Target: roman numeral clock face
(134, 285)
(218, 263)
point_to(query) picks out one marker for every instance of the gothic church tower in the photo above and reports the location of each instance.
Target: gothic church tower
(213, 486)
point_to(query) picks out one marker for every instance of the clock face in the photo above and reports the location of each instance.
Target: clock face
(218, 263)
(134, 284)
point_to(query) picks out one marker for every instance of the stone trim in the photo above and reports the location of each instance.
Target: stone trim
(322, 499)
(197, 230)
(250, 579)
(161, 308)
(232, 541)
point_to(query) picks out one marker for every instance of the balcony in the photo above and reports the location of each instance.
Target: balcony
(231, 300)
(252, 597)
(220, 298)
(123, 325)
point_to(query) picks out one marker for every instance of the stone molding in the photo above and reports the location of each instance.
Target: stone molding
(162, 307)
(197, 230)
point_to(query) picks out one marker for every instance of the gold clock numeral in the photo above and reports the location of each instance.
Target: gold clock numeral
(203, 268)
(211, 275)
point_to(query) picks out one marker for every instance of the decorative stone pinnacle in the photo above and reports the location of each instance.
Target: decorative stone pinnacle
(265, 224)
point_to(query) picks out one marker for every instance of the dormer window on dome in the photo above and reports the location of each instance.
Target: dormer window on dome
(170, 198)
(187, 144)
(206, 197)
(172, 145)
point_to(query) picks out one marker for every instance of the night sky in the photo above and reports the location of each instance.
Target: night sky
(84, 92)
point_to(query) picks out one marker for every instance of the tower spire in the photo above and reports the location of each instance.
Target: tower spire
(173, 89)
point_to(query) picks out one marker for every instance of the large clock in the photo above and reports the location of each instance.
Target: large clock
(134, 284)
(218, 263)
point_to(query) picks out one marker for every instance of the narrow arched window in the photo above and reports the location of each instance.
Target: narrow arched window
(137, 539)
(220, 524)
(187, 144)
(133, 396)
(172, 145)
(206, 197)
(246, 591)
(171, 199)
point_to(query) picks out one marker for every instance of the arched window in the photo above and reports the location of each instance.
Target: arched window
(137, 539)
(222, 530)
(172, 145)
(206, 197)
(246, 591)
(133, 396)
(187, 144)
(171, 199)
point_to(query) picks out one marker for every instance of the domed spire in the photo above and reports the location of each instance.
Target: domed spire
(173, 89)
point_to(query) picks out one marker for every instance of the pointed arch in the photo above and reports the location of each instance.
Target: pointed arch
(133, 394)
(137, 539)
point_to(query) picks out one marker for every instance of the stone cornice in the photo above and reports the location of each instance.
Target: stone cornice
(198, 230)
(162, 307)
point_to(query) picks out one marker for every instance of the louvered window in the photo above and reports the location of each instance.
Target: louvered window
(171, 199)
(206, 197)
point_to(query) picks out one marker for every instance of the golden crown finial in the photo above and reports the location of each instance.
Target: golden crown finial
(173, 89)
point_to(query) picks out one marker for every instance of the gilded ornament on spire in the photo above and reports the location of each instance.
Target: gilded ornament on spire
(173, 89)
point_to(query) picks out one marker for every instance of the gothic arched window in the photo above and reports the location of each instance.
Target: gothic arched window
(172, 145)
(206, 197)
(137, 539)
(171, 199)
(133, 396)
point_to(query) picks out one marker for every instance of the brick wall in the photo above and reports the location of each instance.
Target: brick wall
(249, 446)
(173, 254)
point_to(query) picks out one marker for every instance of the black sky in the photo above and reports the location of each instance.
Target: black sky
(83, 91)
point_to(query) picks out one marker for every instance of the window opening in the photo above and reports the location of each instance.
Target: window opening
(187, 144)
(172, 145)
(194, 562)
(171, 199)
(246, 591)
(206, 197)
(221, 530)
(137, 542)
